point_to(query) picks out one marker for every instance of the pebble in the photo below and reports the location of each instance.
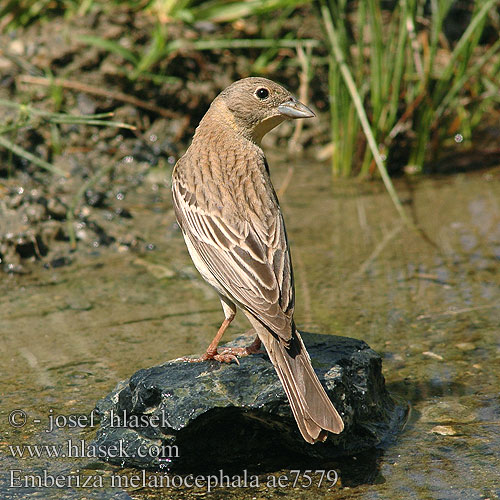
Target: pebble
(447, 411)
(466, 346)
(444, 430)
(433, 355)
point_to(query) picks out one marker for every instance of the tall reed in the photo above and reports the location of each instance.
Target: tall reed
(409, 80)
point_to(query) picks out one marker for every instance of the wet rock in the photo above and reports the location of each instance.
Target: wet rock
(95, 198)
(60, 262)
(86, 104)
(225, 415)
(56, 209)
(123, 212)
(28, 246)
(444, 430)
(448, 412)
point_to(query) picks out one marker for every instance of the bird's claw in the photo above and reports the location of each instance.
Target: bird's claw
(226, 357)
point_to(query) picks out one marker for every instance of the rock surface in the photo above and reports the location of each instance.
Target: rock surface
(204, 416)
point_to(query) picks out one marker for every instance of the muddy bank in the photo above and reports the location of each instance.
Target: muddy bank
(109, 171)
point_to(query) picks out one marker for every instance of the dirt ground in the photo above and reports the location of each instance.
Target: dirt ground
(117, 169)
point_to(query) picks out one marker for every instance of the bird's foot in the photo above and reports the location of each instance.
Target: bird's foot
(228, 354)
(221, 357)
(241, 352)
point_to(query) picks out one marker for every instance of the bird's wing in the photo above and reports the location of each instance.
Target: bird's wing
(249, 259)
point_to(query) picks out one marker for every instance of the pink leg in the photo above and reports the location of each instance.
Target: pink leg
(227, 354)
(211, 352)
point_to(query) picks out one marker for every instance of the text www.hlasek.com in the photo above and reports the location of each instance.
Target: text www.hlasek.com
(81, 449)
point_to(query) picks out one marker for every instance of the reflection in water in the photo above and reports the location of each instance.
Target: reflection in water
(431, 310)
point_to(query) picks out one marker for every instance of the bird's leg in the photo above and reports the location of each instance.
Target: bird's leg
(211, 352)
(227, 354)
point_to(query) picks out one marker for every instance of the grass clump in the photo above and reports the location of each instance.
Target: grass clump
(417, 88)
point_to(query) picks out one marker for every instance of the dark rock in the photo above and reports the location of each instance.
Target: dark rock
(103, 237)
(227, 415)
(60, 262)
(95, 198)
(31, 246)
(56, 209)
(123, 212)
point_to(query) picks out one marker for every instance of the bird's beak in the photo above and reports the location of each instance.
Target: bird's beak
(295, 109)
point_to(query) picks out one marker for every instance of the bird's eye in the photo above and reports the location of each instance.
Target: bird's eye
(262, 93)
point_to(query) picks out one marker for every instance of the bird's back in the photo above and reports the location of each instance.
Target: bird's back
(226, 176)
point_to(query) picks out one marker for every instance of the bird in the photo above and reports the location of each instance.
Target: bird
(231, 220)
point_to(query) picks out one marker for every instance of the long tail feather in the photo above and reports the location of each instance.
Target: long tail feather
(311, 407)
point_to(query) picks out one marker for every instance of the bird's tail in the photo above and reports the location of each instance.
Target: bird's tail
(311, 407)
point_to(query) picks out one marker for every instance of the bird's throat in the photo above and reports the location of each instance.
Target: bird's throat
(266, 126)
(220, 114)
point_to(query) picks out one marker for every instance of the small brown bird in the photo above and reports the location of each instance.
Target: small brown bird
(232, 224)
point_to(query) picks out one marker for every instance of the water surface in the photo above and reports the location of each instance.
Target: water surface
(429, 304)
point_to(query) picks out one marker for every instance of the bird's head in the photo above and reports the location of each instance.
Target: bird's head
(254, 106)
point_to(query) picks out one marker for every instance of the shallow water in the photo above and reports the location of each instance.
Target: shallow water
(429, 304)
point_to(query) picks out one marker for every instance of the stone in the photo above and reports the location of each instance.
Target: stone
(206, 416)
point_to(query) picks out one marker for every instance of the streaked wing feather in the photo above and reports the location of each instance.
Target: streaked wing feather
(251, 263)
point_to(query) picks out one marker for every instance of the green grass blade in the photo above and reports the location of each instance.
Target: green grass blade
(460, 82)
(19, 151)
(219, 12)
(109, 46)
(461, 47)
